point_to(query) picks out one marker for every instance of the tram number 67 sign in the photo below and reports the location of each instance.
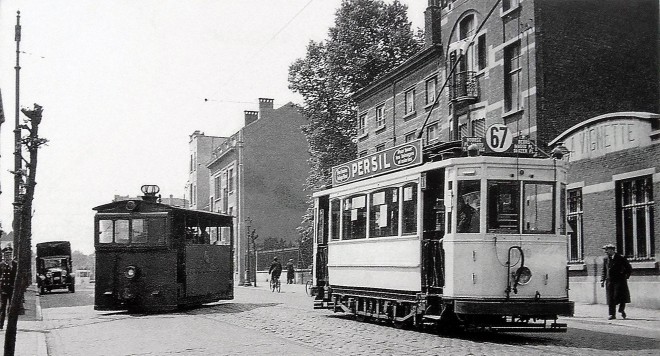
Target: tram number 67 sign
(498, 138)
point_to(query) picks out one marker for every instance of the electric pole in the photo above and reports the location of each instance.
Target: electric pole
(18, 163)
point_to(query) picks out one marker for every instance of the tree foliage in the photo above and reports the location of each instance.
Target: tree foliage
(369, 38)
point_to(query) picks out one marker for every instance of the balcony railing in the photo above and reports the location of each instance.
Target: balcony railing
(463, 86)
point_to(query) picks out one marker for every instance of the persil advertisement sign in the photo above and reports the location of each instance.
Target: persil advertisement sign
(393, 159)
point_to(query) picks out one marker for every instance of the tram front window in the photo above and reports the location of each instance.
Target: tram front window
(121, 231)
(538, 209)
(142, 231)
(469, 206)
(503, 207)
(105, 231)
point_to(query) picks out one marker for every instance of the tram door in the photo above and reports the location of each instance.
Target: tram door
(433, 232)
(321, 265)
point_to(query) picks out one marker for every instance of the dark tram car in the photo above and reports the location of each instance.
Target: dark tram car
(157, 257)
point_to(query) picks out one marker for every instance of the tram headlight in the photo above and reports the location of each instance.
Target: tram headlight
(524, 275)
(130, 272)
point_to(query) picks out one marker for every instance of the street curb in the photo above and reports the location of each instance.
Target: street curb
(42, 347)
(37, 307)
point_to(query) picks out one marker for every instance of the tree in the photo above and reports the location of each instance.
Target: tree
(32, 143)
(369, 39)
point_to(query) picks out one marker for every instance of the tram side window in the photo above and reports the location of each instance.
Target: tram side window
(354, 217)
(409, 208)
(538, 208)
(384, 215)
(334, 219)
(503, 207)
(469, 206)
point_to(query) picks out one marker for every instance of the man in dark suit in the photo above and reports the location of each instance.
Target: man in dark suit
(616, 271)
(7, 277)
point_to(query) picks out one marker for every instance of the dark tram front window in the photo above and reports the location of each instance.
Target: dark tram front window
(139, 231)
(334, 219)
(469, 206)
(354, 217)
(105, 231)
(409, 208)
(121, 231)
(538, 208)
(384, 216)
(150, 231)
(503, 207)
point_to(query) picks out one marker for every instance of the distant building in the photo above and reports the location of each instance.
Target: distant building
(257, 175)
(197, 186)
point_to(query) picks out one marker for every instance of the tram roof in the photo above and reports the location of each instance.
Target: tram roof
(147, 206)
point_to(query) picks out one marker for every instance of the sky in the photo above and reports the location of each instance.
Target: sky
(123, 84)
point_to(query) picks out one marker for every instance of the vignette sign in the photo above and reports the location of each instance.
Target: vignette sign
(392, 159)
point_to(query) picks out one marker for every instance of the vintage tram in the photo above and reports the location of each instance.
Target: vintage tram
(157, 257)
(453, 235)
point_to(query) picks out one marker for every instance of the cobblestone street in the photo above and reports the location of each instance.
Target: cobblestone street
(259, 322)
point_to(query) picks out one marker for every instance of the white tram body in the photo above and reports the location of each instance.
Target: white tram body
(472, 241)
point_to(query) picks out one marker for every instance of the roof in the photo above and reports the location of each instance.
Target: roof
(210, 218)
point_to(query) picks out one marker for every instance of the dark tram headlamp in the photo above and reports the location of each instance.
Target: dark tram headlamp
(523, 275)
(130, 205)
(130, 272)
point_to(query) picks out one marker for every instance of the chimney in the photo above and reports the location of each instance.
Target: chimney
(250, 116)
(265, 106)
(432, 24)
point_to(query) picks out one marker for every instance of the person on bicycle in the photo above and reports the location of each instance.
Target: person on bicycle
(275, 269)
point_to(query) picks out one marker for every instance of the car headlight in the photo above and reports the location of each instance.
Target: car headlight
(524, 275)
(63, 273)
(130, 272)
(49, 274)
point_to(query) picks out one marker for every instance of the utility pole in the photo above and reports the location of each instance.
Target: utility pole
(18, 159)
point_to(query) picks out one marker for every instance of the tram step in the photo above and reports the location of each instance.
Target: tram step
(432, 317)
(532, 328)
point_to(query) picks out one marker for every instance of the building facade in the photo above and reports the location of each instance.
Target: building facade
(612, 197)
(197, 187)
(538, 66)
(547, 69)
(257, 175)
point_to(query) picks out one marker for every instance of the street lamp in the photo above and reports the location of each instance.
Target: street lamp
(248, 222)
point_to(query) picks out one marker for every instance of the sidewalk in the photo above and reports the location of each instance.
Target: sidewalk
(639, 321)
(30, 339)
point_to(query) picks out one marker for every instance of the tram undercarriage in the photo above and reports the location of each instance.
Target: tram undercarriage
(423, 310)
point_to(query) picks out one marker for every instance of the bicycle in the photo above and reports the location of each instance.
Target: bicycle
(275, 284)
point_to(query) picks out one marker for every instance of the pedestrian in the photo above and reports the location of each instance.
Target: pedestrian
(616, 271)
(290, 272)
(7, 277)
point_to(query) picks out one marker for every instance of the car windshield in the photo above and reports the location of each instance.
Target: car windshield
(53, 263)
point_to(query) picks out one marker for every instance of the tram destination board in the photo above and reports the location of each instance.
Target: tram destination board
(393, 159)
(518, 146)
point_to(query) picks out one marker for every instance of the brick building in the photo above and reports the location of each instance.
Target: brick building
(257, 175)
(541, 67)
(614, 182)
(538, 66)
